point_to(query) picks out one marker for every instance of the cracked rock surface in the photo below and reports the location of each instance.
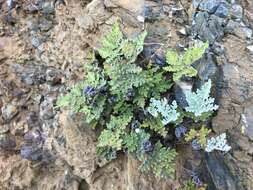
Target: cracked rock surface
(43, 46)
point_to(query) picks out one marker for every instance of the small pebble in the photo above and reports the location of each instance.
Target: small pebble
(250, 49)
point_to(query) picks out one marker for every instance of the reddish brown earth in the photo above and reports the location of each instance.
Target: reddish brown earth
(43, 46)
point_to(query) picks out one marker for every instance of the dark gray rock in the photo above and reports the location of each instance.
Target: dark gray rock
(209, 5)
(149, 14)
(32, 119)
(34, 6)
(231, 25)
(236, 11)
(179, 91)
(238, 29)
(33, 75)
(218, 49)
(219, 172)
(34, 137)
(47, 108)
(159, 60)
(208, 27)
(222, 10)
(206, 68)
(7, 142)
(53, 76)
(32, 152)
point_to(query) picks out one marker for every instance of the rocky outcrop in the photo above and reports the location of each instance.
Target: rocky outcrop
(43, 45)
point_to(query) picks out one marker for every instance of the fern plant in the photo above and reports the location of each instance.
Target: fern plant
(124, 97)
(111, 44)
(189, 185)
(161, 162)
(156, 125)
(180, 65)
(133, 140)
(116, 48)
(200, 104)
(200, 135)
(86, 97)
(112, 137)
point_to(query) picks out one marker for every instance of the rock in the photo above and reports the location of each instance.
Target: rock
(82, 160)
(53, 76)
(247, 122)
(250, 49)
(21, 174)
(238, 29)
(179, 91)
(10, 19)
(8, 112)
(48, 7)
(36, 42)
(11, 4)
(45, 25)
(33, 7)
(220, 175)
(47, 108)
(137, 8)
(7, 142)
(248, 32)
(32, 25)
(31, 152)
(208, 27)
(236, 11)
(218, 49)
(33, 75)
(222, 10)
(183, 31)
(148, 14)
(159, 60)
(207, 68)
(196, 3)
(4, 128)
(209, 5)
(34, 137)
(141, 18)
(32, 119)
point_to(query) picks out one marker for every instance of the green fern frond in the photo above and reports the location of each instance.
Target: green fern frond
(113, 136)
(180, 65)
(131, 142)
(111, 44)
(189, 185)
(200, 135)
(156, 125)
(160, 162)
(132, 48)
(121, 121)
(111, 139)
(114, 46)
